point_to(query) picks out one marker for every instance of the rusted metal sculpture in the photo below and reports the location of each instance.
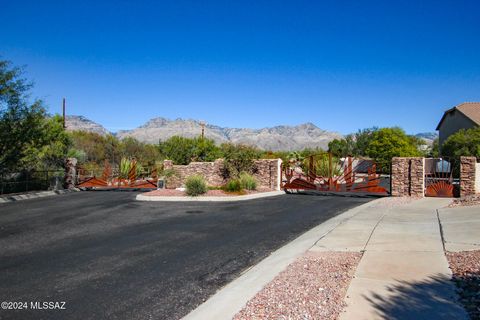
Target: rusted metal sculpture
(324, 173)
(110, 181)
(440, 177)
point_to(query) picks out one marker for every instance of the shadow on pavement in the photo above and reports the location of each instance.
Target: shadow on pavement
(434, 298)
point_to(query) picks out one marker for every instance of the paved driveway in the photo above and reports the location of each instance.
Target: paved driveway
(109, 256)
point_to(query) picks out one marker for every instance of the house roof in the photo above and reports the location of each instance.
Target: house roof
(469, 109)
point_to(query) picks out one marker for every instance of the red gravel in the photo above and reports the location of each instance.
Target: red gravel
(473, 200)
(210, 193)
(165, 193)
(312, 287)
(465, 267)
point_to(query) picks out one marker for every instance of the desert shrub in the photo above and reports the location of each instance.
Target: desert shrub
(233, 185)
(237, 159)
(247, 181)
(183, 150)
(195, 185)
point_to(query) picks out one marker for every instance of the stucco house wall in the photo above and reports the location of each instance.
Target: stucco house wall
(453, 122)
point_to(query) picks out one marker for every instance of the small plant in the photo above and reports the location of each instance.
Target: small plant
(247, 181)
(233, 185)
(195, 185)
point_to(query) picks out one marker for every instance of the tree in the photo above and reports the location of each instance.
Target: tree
(29, 138)
(96, 147)
(49, 148)
(386, 143)
(463, 143)
(342, 147)
(238, 158)
(183, 150)
(362, 140)
(355, 144)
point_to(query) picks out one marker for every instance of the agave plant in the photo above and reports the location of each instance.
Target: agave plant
(125, 167)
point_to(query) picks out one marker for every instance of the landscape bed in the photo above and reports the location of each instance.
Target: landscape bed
(210, 193)
(471, 200)
(312, 287)
(465, 267)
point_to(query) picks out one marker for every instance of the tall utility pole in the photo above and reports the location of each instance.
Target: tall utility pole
(202, 123)
(63, 107)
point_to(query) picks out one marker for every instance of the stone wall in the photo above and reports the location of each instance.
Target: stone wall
(417, 177)
(69, 181)
(467, 175)
(408, 177)
(267, 173)
(400, 177)
(477, 178)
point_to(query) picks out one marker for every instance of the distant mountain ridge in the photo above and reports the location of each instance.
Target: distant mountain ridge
(429, 137)
(81, 123)
(280, 137)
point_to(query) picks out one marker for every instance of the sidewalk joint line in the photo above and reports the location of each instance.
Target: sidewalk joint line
(441, 230)
(335, 227)
(374, 228)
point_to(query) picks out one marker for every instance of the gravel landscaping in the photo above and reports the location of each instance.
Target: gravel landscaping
(466, 275)
(210, 193)
(312, 287)
(473, 200)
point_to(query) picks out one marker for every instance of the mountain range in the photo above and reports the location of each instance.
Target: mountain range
(275, 138)
(281, 137)
(429, 137)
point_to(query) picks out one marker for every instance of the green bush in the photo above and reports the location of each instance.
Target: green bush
(233, 185)
(463, 143)
(247, 181)
(238, 158)
(195, 185)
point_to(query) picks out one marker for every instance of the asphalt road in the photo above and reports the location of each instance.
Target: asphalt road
(108, 256)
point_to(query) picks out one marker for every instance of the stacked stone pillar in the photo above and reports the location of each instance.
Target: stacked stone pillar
(467, 176)
(408, 177)
(69, 181)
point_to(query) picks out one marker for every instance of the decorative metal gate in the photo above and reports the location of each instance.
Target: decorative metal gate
(442, 177)
(326, 173)
(111, 181)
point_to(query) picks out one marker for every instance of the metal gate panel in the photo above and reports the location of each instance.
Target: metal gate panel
(441, 177)
(325, 173)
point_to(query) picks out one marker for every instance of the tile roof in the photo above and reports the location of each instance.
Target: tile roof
(470, 109)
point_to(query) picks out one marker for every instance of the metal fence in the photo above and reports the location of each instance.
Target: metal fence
(24, 181)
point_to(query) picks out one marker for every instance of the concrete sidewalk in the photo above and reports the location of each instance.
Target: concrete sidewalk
(461, 228)
(404, 273)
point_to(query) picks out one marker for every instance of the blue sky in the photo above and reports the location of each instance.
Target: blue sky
(342, 65)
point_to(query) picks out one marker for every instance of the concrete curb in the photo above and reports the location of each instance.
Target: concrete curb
(33, 195)
(142, 197)
(229, 300)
